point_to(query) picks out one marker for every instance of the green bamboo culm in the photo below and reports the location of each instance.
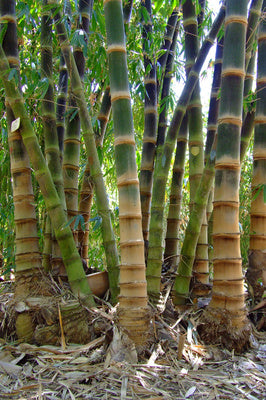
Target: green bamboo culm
(87, 190)
(196, 153)
(132, 311)
(27, 253)
(162, 166)
(211, 134)
(52, 152)
(181, 287)
(225, 318)
(71, 258)
(27, 256)
(250, 61)
(175, 198)
(71, 159)
(257, 256)
(109, 243)
(166, 66)
(171, 253)
(150, 121)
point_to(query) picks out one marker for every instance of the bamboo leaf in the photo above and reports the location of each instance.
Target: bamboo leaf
(3, 31)
(42, 88)
(264, 193)
(79, 220)
(15, 124)
(69, 222)
(13, 74)
(258, 190)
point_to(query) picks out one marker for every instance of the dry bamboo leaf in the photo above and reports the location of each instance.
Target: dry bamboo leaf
(124, 387)
(63, 339)
(181, 344)
(190, 391)
(10, 368)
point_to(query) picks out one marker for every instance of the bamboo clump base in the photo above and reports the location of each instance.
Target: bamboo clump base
(174, 365)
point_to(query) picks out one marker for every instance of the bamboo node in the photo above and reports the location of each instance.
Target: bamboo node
(212, 127)
(116, 48)
(127, 181)
(151, 81)
(119, 95)
(261, 36)
(240, 19)
(8, 18)
(240, 72)
(150, 110)
(228, 119)
(130, 243)
(13, 60)
(124, 140)
(130, 216)
(190, 21)
(260, 119)
(70, 166)
(149, 140)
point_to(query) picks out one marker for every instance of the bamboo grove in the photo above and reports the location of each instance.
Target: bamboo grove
(98, 152)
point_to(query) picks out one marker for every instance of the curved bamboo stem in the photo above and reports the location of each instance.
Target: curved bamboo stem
(72, 261)
(27, 241)
(95, 168)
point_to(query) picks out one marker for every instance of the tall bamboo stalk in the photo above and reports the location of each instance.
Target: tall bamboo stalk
(162, 166)
(196, 158)
(86, 192)
(150, 123)
(151, 137)
(257, 255)
(225, 317)
(202, 199)
(250, 60)
(132, 311)
(95, 168)
(71, 158)
(164, 88)
(27, 255)
(52, 152)
(27, 242)
(71, 258)
(175, 200)
(211, 134)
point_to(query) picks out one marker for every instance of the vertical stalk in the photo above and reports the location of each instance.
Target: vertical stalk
(132, 311)
(49, 122)
(27, 242)
(95, 168)
(175, 200)
(86, 192)
(72, 261)
(27, 255)
(257, 254)
(226, 314)
(150, 123)
(72, 135)
(163, 162)
(196, 158)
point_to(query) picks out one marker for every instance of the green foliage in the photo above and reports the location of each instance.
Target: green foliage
(245, 203)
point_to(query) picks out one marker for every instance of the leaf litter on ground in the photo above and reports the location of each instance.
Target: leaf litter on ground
(174, 366)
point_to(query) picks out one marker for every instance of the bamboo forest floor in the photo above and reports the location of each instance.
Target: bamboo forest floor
(176, 365)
